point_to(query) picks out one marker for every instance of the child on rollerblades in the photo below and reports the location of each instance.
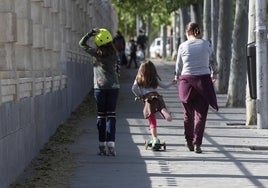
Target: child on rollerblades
(106, 86)
(145, 88)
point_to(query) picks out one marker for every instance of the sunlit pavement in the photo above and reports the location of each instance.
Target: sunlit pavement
(234, 155)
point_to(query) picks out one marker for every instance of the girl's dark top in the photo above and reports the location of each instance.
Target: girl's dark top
(104, 67)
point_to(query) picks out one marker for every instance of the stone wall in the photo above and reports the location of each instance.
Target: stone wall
(44, 75)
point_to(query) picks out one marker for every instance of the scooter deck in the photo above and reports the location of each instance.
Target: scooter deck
(158, 146)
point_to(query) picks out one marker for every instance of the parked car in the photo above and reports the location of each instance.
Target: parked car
(156, 48)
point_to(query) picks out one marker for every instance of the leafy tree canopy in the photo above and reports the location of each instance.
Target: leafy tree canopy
(173, 5)
(128, 10)
(159, 10)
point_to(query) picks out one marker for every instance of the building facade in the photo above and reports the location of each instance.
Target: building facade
(44, 75)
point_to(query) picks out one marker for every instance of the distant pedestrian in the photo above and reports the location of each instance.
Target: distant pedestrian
(133, 54)
(120, 45)
(106, 86)
(140, 55)
(196, 71)
(142, 41)
(145, 87)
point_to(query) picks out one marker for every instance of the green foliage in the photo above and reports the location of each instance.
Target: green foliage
(159, 10)
(128, 10)
(173, 5)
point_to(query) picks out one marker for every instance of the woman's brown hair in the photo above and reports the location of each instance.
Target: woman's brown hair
(193, 29)
(147, 76)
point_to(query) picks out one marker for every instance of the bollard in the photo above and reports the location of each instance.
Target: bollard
(251, 69)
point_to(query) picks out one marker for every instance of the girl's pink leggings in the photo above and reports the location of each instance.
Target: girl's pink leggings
(152, 121)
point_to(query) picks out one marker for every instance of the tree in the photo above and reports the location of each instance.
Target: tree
(184, 19)
(224, 45)
(196, 12)
(189, 10)
(207, 20)
(237, 80)
(214, 23)
(129, 9)
(251, 113)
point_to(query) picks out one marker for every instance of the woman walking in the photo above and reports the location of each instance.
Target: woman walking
(196, 71)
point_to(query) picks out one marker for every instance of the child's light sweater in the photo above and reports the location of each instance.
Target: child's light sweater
(138, 91)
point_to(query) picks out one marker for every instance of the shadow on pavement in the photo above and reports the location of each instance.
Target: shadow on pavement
(227, 159)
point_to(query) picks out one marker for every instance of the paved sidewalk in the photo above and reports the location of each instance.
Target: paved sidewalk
(228, 159)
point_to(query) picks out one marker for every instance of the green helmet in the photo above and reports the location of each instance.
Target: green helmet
(103, 37)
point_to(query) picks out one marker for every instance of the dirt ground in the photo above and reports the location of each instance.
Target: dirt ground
(53, 166)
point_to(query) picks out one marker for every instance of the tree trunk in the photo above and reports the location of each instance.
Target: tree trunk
(148, 31)
(224, 45)
(207, 20)
(184, 19)
(196, 13)
(251, 118)
(238, 74)
(164, 40)
(137, 25)
(175, 33)
(214, 23)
